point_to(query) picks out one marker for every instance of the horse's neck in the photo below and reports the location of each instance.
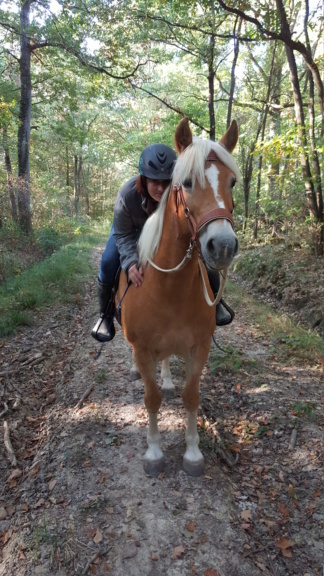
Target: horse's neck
(175, 237)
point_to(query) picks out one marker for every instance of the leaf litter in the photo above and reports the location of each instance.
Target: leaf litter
(79, 501)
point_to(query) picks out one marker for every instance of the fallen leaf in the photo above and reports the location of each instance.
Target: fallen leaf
(178, 552)
(14, 474)
(246, 515)
(291, 491)
(98, 536)
(34, 470)
(6, 535)
(211, 572)
(282, 509)
(39, 503)
(283, 543)
(190, 526)
(246, 526)
(3, 513)
(52, 485)
(316, 494)
(203, 539)
(286, 553)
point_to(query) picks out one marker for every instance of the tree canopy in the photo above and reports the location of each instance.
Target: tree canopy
(86, 85)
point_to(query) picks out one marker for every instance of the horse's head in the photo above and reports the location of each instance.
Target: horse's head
(206, 173)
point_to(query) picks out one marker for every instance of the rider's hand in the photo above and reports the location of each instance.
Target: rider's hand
(135, 275)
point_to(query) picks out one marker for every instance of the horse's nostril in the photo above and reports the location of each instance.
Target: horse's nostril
(236, 247)
(210, 245)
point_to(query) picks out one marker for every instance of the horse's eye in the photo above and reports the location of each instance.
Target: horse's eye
(187, 183)
(233, 182)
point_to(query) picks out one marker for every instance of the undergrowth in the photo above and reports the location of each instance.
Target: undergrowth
(56, 278)
(288, 340)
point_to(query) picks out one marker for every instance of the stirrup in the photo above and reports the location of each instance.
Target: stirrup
(225, 319)
(104, 330)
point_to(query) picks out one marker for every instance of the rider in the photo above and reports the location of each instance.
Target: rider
(135, 202)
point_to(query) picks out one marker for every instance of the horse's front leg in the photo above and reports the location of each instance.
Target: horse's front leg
(193, 460)
(167, 388)
(153, 459)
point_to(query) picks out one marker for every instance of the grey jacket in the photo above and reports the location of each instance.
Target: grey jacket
(130, 214)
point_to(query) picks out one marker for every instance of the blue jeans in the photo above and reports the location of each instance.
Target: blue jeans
(110, 262)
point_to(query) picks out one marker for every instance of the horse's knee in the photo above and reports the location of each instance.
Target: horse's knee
(190, 399)
(152, 400)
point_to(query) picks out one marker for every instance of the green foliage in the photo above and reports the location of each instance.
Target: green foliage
(304, 409)
(49, 240)
(260, 261)
(58, 278)
(229, 359)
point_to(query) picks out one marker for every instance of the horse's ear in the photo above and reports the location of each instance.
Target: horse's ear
(183, 135)
(230, 138)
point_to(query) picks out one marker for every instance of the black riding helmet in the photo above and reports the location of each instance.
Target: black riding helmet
(157, 162)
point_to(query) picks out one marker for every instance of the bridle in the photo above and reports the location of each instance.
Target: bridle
(195, 228)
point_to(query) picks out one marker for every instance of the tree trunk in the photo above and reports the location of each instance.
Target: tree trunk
(86, 193)
(23, 189)
(12, 199)
(236, 53)
(263, 124)
(319, 234)
(300, 120)
(275, 191)
(76, 185)
(211, 88)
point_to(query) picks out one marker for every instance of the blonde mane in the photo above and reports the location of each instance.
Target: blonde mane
(190, 164)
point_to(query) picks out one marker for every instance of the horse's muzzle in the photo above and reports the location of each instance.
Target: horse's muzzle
(219, 252)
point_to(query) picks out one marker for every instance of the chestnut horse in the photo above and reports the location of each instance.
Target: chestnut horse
(173, 311)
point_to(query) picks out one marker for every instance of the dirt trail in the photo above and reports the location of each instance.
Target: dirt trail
(79, 502)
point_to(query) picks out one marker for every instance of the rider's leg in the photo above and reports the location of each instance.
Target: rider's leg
(104, 330)
(224, 313)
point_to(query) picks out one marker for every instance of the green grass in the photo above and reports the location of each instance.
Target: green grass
(56, 279)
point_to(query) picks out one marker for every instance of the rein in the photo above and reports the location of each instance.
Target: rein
(216, 214)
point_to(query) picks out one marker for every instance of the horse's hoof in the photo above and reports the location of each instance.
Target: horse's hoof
(193, 468)
(153, 467)
(168, 393)
(135, 375)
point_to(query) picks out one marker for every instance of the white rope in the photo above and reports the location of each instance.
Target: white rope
(223, 275)
(182, 264)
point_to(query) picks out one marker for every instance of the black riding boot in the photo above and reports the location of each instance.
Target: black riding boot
(224, 313)
(104, 330)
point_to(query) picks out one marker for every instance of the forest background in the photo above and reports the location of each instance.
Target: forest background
(86, 85)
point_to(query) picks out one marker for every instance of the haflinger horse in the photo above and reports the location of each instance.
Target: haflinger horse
(173, 311)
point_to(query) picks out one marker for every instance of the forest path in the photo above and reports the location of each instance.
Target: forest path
(78, 500)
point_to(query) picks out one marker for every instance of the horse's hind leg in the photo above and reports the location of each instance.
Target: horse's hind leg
(153, 459)
(167, 388)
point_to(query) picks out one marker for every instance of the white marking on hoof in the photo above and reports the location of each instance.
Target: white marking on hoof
(153, 467)
(193, 460)
(193, 468)
(153, 459)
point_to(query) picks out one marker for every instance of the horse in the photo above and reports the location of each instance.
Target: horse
(173, 311)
